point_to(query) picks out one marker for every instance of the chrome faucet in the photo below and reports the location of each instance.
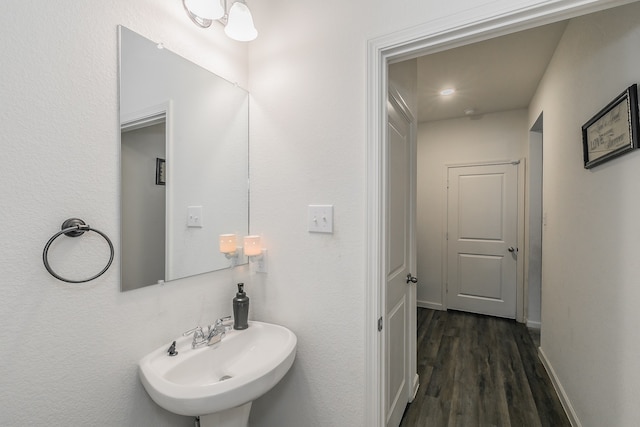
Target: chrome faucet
(214, 333)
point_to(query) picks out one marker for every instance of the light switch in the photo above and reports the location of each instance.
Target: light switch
(320, 219)
(194, 216)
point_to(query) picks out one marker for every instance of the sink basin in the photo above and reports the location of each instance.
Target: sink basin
(242, 367)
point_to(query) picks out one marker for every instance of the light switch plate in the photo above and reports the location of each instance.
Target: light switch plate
(194, 216)
(320, 219)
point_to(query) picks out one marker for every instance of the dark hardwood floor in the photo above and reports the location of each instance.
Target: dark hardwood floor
(480, 371)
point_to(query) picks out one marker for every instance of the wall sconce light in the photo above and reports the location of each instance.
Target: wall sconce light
(237, 20)
(257, 255)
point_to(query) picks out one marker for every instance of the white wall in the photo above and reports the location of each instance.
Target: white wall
(590, 289)
(486, 138)
(533, 226)
(71, 350)
(309, 145)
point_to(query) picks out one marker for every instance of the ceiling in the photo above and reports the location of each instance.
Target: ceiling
(493, 75)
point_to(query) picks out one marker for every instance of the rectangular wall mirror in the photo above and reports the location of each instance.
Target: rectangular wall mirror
(184, 164)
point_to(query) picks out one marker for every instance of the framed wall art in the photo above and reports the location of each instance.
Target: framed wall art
(613, 131)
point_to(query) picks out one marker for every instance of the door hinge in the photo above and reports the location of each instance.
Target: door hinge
(446, 236)
(380, 324)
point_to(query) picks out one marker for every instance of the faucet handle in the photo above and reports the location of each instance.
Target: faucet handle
(224, 321)
(196, 331)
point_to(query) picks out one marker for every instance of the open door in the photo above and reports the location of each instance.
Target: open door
(400, 301)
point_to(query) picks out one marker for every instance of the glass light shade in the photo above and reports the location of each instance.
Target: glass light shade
(252, 246)
(240, 23)
(228, 243)
(206, 9)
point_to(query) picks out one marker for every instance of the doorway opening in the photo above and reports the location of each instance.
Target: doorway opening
(429, 38)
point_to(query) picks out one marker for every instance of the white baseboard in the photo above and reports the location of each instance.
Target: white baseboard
(534, 325)
(415, 385)
(564, 399)
(431, 305)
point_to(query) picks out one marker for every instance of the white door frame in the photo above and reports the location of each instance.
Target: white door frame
(437, 35)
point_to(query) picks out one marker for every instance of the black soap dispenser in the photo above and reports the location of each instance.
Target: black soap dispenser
(241, 309)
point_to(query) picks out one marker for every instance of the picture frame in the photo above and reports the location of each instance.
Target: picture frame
(160, 172)
(613, 131)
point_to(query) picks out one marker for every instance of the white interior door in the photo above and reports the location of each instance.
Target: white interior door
(400, 321)
(482, 252)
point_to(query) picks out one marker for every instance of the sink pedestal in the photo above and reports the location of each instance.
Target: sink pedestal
(234, 417)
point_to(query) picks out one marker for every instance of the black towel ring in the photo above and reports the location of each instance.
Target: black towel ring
(74, 227)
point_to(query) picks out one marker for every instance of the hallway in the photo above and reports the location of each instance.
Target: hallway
(480, 371)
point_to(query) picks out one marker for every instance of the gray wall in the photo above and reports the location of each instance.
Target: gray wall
(143, 207)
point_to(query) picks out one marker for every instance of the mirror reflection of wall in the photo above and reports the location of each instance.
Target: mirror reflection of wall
(197, 122)
(143, 206)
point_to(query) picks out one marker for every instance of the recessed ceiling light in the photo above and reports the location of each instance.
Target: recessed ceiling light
(447, 92)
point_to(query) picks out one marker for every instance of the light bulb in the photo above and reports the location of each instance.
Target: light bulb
(240, 23)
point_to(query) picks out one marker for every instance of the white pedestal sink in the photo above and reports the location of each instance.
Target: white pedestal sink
(218, 383)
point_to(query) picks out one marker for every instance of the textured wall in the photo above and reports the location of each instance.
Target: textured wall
(71, 350)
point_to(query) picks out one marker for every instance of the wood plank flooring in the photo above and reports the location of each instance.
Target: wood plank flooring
(480, 371)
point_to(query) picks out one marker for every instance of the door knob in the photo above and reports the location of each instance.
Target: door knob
(512, 249)
(411, 279)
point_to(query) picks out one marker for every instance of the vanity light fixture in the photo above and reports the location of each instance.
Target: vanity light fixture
(237, 19)
(447, 92)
